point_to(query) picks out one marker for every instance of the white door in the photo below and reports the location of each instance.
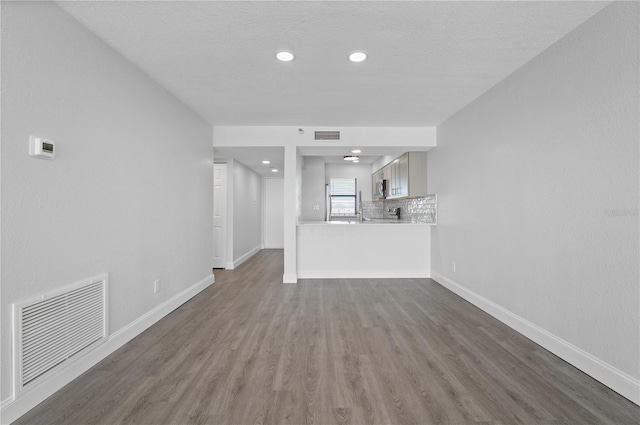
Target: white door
(274, 213)
(219, 215)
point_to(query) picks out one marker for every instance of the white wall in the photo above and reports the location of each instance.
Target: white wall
(234, 136)
(247, 212)
(292, 200)
(313, 188)
(362, 172)
(230, 209)
(537, 184)
(130, 191)
(273, 229)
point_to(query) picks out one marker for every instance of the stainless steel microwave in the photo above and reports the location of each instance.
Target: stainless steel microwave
(382, 190)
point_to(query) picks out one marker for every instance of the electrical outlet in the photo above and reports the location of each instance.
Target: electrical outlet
(316, 207)
(156, 286)
(453, 267)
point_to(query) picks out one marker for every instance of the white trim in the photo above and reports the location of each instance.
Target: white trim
(289, 278)
(13, 408)
(617, 380)
(246, 256)
(3, 405)
(363, 274)
(229, 266)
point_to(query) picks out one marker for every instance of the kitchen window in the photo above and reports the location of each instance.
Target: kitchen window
(343, 197)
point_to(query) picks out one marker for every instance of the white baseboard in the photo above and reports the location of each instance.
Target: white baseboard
(363, 274)
(12, 409)
(4, 405)
(289, 278)
(230, 265)
(610, 376)
(246, 256)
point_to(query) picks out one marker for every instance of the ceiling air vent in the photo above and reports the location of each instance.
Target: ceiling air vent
(327, 135)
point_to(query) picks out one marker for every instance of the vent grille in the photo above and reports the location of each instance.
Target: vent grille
(58, 327)
(327, 135)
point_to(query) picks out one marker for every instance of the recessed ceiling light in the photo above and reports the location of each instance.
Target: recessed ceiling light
(358, 56)
(285, 56)
(266, 162)
(274, 170)
(356, 161)
(356, 151)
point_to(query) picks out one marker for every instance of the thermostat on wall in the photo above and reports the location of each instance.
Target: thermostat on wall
(42, 148)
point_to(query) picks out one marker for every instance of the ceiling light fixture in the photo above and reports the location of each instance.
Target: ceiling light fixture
(358, 57)
(351, 158)
(274, 170)
(285, 56)
(356, 151)
(266, 162)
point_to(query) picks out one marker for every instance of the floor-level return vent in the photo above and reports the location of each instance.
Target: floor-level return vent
(56, 328)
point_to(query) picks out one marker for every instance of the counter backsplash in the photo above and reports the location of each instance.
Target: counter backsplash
(418, 210)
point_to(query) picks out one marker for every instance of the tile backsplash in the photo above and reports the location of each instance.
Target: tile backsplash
(372, 209)
(418, 210)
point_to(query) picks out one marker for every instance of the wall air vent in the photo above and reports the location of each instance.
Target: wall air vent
(327, 135)
(52, 330)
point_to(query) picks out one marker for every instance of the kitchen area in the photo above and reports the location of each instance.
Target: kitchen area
(372, 226)
(355, 200)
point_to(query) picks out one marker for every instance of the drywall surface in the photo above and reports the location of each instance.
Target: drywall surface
(292, 209)
(537, 184)
(230, 215)
(313, 188)
(247, 210)
(130, 190)
(362, 172)
(273, 230)
(235, 136)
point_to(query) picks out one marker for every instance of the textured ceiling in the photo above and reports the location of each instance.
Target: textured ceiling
(252, 157)
(427, 59)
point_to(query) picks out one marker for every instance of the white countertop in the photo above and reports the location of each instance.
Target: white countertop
(366, 223)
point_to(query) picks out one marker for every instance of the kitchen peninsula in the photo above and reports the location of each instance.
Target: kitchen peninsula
(363, 250)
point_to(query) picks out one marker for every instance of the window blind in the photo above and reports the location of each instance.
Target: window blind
(343, 196)
(342, 187)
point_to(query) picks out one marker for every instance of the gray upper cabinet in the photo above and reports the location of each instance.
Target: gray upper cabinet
(406, 176)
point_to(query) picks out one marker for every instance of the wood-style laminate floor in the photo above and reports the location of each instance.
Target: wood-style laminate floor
(250, 350)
